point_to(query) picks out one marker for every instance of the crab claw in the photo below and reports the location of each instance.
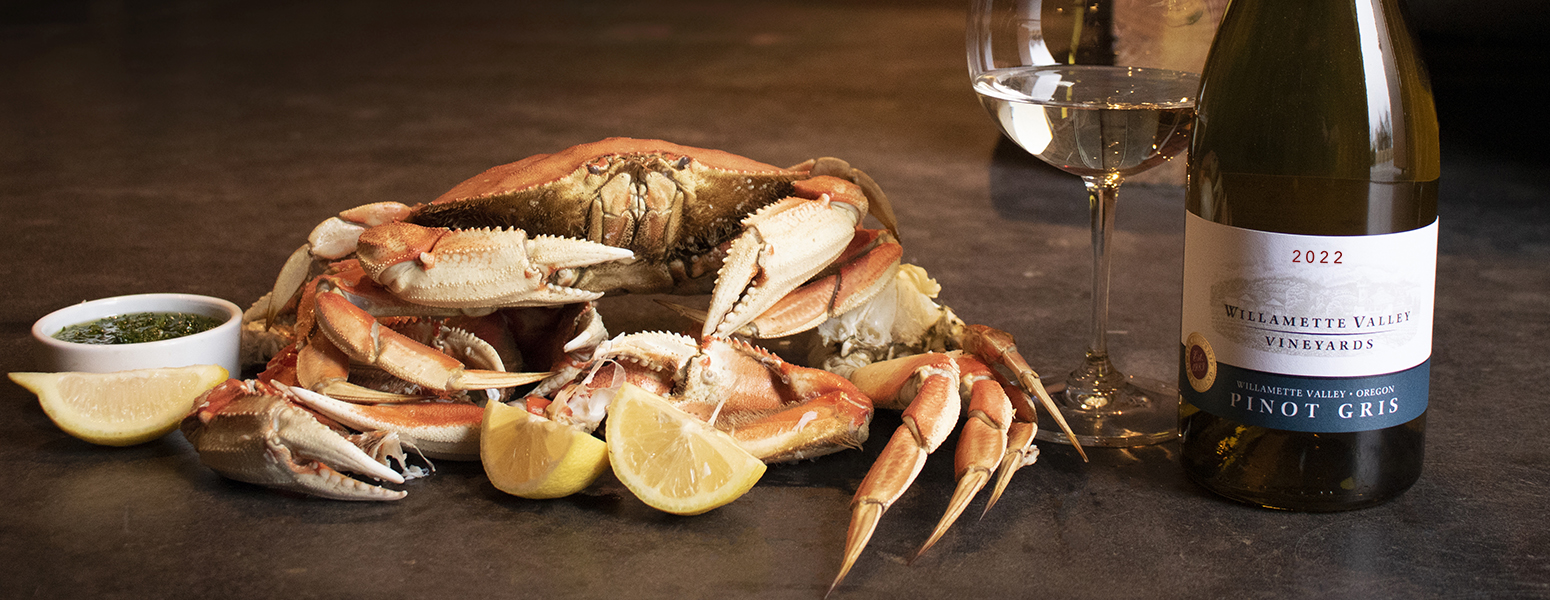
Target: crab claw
(877, 201)
(252, 432)
(478, 268)
(782, 246)
(334, 238)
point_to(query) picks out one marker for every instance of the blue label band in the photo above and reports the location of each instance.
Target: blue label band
(1313, 404)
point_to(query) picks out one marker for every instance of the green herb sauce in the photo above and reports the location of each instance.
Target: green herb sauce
(134, 328)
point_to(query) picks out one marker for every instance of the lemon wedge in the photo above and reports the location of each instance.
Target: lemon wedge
(532, 457)
(672, 461)
(123, 408)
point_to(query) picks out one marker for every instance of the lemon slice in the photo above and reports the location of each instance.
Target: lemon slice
(532, 457)
(672, 461)
(123, 408)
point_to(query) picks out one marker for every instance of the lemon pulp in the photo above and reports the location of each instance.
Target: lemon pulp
(532, 457)
(122, 408)
(673, 461)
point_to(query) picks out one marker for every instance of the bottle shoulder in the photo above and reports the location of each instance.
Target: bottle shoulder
(1311, 90)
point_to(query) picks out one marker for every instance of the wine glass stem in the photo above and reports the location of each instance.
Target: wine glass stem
(1095, 382)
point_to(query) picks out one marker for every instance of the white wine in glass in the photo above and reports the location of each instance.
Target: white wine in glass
(1077, 107)
(1093, 121)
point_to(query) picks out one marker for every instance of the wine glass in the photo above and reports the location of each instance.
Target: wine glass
(1102, 89)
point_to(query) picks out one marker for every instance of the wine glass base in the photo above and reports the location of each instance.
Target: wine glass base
(1142, 412)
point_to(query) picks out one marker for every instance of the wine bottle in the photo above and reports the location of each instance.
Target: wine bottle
(1310, 257)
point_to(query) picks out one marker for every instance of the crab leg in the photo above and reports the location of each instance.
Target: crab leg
(822, 413)
(927, 423)
(361, 337)
(782, 246)
(820, 426)
(983, 442)
(323, 368)
(447, 430)
(1020, 452)
(996, 346)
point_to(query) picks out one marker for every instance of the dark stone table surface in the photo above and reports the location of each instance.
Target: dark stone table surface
(190, 146)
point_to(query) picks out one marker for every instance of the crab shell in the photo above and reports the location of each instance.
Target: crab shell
(674, 206)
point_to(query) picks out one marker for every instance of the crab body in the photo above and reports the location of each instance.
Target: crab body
(669, 205)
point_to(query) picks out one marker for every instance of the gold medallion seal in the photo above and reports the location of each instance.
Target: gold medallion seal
(1199, 362)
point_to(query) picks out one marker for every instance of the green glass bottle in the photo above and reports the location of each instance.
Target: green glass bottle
(1310, 257)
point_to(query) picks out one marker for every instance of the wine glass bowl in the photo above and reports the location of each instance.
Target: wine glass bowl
(1069, 83)
(1093, 120)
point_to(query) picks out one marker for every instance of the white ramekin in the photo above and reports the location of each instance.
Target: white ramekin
(218, 346)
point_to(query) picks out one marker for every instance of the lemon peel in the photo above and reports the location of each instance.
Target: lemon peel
(673, 461)
(529, 456)
(122, 408)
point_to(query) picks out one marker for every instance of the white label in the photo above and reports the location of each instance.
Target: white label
(1323, 306)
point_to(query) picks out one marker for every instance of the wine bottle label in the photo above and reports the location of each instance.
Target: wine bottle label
(1307, 333)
